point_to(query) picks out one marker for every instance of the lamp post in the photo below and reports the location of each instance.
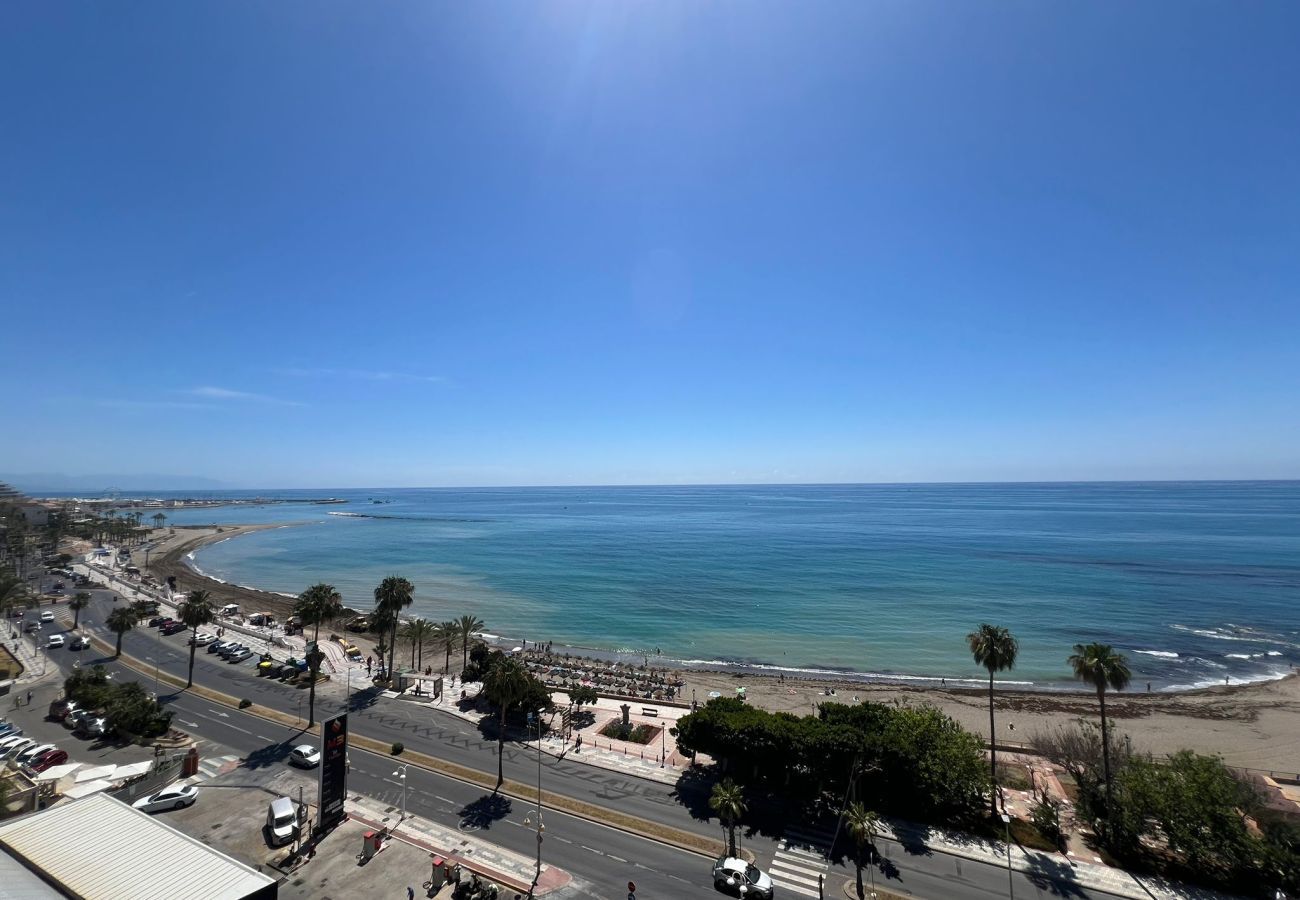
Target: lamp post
(1011, 886)
(401, 773)
(537, 874)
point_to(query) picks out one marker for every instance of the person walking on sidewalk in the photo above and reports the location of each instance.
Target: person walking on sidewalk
(29, 698)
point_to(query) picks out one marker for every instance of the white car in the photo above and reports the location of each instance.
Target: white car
(239, 655)
(25, 756)
(174, 797)
(741, 878)
(56, 641)
(13, 748)
(202, 639)
(47, 616)
(304, 756)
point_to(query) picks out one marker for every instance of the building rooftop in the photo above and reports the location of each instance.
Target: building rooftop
(99, 847)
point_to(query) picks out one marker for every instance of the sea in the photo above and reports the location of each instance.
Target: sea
(1196, 583)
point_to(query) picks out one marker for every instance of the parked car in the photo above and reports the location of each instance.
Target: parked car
(8, 728)
(80, 642)
(91, 726)
(77, 716)
(218, 646)
(47, 760)
(230, 649)
(281, 821)
(21, 745)
(55, 642)
(22, 757)
(202, 639)
(305, 756)
(61, 709)
(13, 744)
(239, 655)
(739, 877)
(174, 628)
(47, 616)
(155, 621)
(167, 622)
(174, 797)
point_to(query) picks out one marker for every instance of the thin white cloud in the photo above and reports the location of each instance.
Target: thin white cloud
(361, 375)
(220, 393)
(153, 404)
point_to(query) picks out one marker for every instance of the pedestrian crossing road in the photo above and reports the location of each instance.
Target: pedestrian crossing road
(800, 861)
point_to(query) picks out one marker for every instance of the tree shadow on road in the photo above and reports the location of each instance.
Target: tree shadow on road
(481, 813)
(270, 755)
(1055, 877)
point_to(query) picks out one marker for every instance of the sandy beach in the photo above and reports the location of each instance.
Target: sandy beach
(1252, 726)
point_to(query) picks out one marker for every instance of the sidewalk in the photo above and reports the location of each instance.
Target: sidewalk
(495, 863)
(1052, 866)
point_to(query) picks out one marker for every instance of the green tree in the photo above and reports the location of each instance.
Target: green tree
(80, 600)
(582, 695)
(131, 709)
(417, 631)
(120, 621)
(392, 596)
(1100, 666)
(728, 801)
(158, 519)
(196, 610)
(862, 825)
(314, 659)
(995, 649)
(446, 633)
(504, 685)
(319, 603)
(466, 627)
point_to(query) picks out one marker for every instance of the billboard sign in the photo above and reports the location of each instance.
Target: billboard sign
(333, 770)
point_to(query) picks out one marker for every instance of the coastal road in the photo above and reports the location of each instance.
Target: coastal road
(440, 734)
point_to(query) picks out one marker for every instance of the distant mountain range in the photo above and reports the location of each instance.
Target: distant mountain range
(56, 482)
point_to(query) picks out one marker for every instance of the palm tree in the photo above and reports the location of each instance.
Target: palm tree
(417, 631)
(392, 596)
(319, 603)
(158, 519)
(446, 633)
(196, 611)
(505, 685)
(862, 824)
(120, 621)
(314, 658)
(728, 801)
(995, 649)
(1100, 666)
(467, 625)
(80, 600)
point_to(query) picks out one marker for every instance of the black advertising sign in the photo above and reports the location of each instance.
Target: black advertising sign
(333, 770)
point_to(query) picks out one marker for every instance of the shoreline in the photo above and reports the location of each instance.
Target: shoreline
(179, 561)
(1252, 725)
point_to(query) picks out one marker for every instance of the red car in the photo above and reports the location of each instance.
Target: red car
(48, 759)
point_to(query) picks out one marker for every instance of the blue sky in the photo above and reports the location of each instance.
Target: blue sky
(327, 244)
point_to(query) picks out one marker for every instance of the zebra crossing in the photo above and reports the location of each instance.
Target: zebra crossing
(212, 766)
(800, 860)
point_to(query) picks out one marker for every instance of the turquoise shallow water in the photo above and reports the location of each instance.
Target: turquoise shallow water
(1194, 581)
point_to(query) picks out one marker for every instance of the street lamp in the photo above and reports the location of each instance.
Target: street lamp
(537, 874)
(1011, 886)
(401, 773)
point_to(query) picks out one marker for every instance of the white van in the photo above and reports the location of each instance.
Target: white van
(230, 609)
(281, 821)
